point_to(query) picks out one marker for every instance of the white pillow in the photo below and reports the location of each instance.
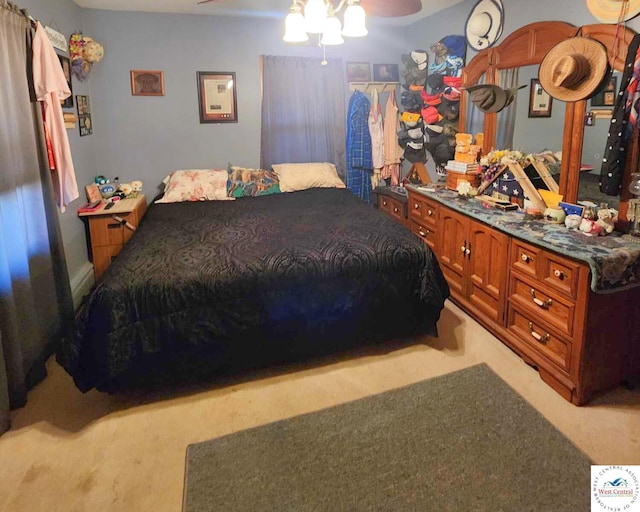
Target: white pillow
(309, 175)
(195, 185)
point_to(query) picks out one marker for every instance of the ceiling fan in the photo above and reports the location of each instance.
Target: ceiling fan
(383, 8)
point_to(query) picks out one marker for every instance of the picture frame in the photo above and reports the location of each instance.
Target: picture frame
(386, 73)
(607, 96)
(84, 115)
(540, 102)
(65, 62)
(147, 82)
(358, 72)
(217, 101)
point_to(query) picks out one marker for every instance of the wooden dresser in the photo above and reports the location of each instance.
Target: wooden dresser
(535, 300)
(108, 230)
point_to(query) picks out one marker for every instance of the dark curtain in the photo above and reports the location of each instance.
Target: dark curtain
(303, 111)
(35, 298)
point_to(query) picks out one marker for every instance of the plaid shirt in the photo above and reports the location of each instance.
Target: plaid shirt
(359, 156)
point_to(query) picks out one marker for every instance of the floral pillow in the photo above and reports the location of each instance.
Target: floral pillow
(195, 185)
(246, 182)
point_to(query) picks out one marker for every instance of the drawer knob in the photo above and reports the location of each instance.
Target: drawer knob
(544, 304)
(423, 232)
(384, 203)
(416, 206)
(395, 209)
(559, 274)
(463, 249)
(430, 213)
(537, 336)
(526, 258)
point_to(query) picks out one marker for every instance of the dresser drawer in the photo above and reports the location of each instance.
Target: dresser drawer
(424, 231)
(423, 209)
(525, 258)
(105, 230)
(545, 305)
(560, 273)
(384, 203)
(397, 209)
(528, 328)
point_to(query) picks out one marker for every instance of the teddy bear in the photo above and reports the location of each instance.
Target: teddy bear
(136, 188)
(606, 219)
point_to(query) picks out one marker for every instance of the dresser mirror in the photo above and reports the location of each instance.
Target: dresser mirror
(565, 129)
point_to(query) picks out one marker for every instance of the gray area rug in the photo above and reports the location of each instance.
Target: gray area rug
(461, 442)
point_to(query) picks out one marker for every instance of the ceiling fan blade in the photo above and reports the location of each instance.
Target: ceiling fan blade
(388, 9)
(205, 2)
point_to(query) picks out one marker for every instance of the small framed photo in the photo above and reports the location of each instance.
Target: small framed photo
(217, 97)
(358, 72)
(147, 83)
(540, 102)
(607, 96)
(66, 69)
(93, 193)
(386, 73)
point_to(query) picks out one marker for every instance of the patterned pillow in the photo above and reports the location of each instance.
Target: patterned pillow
(195, 185)
(245, 182)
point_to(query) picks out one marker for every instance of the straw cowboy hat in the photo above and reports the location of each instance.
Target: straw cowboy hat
(492, 98)
(609, 11)
(574, 69)
(484, 24)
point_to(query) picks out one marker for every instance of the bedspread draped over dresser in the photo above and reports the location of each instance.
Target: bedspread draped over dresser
(257, 280)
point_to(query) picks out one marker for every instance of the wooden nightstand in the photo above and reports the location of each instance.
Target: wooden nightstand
(108, 235)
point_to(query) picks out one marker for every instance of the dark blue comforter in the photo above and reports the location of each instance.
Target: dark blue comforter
(256, 280)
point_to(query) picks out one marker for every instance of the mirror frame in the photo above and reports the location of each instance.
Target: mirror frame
(527, 46)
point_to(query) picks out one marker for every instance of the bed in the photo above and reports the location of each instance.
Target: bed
(208, 286)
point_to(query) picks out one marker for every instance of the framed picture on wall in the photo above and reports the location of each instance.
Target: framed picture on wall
(217, 97)
(147, 83)
(386, 73)
(540, 102)
(607, 96)
(66, 69)
(84, 115)
(358, 72)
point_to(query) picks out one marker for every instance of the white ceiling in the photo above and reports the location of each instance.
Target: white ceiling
(259, 8)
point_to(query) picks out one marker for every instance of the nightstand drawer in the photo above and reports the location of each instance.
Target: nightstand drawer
(527, 328)
(105, 230)
(103, 256)
(396, 209)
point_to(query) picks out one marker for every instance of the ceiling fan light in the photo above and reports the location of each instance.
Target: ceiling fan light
(354, 21)
(331, 35)
(315, 14)
(294, 28)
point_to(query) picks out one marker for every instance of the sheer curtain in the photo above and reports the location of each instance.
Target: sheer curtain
(303, 111)
(35, 297)
(507, 79)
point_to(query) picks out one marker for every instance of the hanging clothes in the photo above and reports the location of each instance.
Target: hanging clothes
(393, 152)
(376, 131)
(359, 157)
(623, 122)
(50, 87)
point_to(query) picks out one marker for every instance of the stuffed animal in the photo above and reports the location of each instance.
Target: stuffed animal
(136, 188)
(606, 219)
(573, 221)
(590, 227)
